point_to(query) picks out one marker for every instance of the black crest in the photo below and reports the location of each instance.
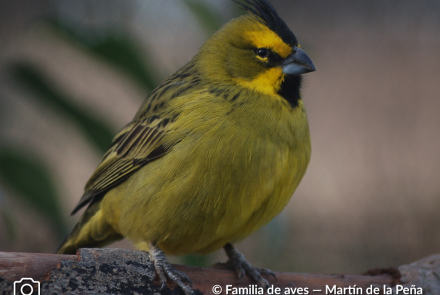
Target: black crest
(267, 15)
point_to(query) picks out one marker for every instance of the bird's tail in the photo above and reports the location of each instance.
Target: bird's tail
(91, 231)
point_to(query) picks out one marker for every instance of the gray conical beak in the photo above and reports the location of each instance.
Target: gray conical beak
(298, 63)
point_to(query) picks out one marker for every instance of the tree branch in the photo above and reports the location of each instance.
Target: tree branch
(121, 271)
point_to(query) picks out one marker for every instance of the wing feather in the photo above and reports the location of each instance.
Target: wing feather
(136, 145)
(144, 139)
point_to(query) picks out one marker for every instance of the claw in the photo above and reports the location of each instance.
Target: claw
(240, 272)
(267, 272)
(238, 263)
(164, 269)
(162, 286)
(183, 276)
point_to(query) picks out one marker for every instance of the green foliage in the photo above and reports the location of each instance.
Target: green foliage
(6, 217)
(207, 17)
(9, 223)
(117, 49)
(97, 132)
(31, 180)
(196, 260)
(124, 54)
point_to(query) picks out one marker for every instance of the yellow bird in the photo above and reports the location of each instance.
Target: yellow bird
(213, 153)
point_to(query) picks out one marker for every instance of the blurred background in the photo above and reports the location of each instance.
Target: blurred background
(73, 73)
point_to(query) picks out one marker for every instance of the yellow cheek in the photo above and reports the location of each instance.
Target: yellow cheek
(268, 82)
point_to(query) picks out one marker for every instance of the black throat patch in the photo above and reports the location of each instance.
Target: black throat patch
(290, 89)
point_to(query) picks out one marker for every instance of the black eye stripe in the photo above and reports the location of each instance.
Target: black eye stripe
(273, 59)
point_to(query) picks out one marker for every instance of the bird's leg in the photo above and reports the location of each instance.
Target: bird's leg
(164, 269)
(238, 263)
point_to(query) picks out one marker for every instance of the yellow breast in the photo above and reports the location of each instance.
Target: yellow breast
(222, 182)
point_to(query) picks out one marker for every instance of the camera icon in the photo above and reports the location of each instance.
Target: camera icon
(26, 286)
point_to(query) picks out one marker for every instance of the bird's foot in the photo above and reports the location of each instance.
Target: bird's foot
(238, 263)
(164, 269)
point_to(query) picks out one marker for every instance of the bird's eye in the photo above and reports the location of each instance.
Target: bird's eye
(262, 52)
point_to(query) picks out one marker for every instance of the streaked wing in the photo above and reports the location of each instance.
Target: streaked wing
(142, 140)
(137, 144)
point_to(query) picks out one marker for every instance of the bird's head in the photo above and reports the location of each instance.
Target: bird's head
(257, 51)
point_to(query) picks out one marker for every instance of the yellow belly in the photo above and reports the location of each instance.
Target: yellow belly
(204, 194)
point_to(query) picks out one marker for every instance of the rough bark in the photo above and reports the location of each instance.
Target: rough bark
(121, 271)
